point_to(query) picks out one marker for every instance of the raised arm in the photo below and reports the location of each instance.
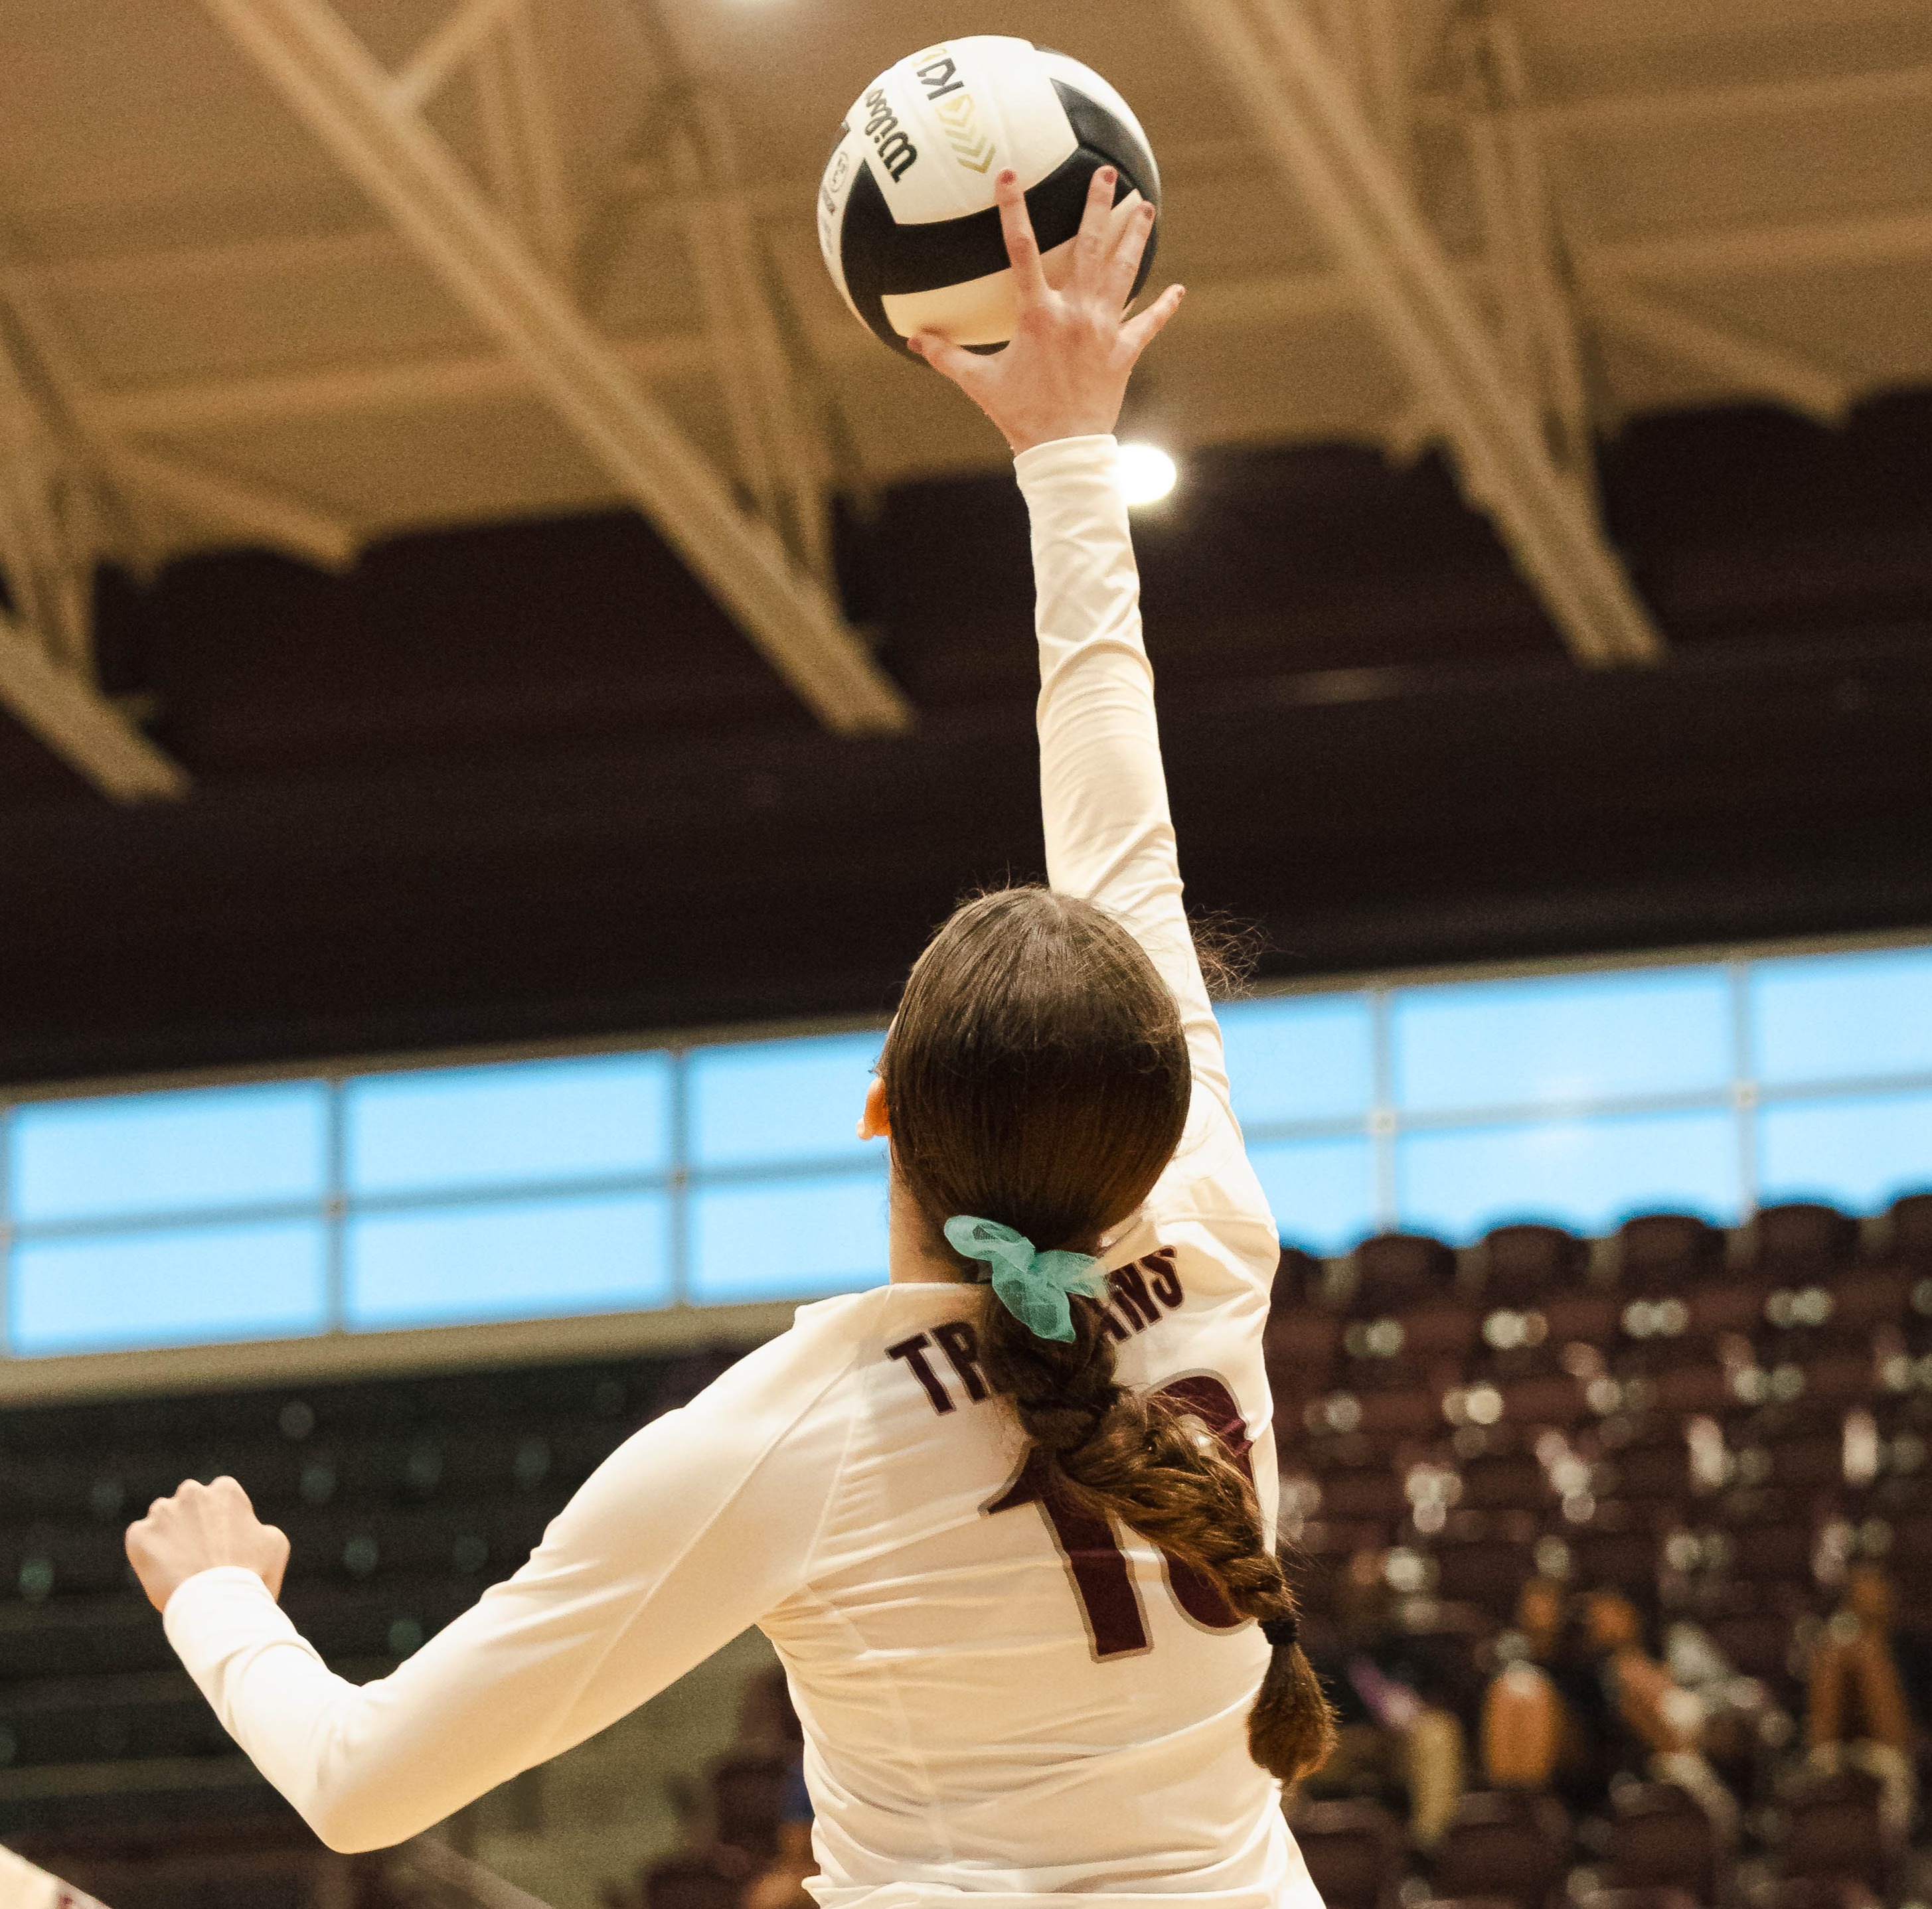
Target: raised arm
(1056, 392)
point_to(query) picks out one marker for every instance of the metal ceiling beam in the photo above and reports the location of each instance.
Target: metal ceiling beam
(428, 69)
(519, 138)
(1799, 383)
(780, 445)
(1534, 315)
(1321, 144)
(48, 542)
(1851, 240)
(258, 512)
(80, 726)
(253, 510)
(252, 399)
(1847, 93)
(353, 107)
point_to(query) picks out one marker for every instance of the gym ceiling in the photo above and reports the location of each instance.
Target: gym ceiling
(469, 581)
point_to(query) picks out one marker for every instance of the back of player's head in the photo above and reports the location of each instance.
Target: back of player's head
(1036, 1072)
(1037, 1076)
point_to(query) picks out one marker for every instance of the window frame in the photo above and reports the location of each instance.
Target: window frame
(1385, 1123)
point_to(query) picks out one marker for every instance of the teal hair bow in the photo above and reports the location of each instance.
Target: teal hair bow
(1033, 1287)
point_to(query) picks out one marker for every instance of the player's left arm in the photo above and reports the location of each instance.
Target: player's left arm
(692, 1531)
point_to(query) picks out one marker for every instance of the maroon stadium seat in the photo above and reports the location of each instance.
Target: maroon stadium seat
(1802, 1240)
(1507, 1843)
(1661, 1254)
(1659, 1836)
(1354, 1851)
(1488, 1572)
(1654, 1464)
(1523, 1265)
(1373, 1492)
(1395, 1270)
(1553, 1398)
(1909, 1229)
(747, 1789)
(1863, 1297)
(1658, 1896)
(696, 1879)
(1505, 1481)
(1831, 1828)
(1616, 1551)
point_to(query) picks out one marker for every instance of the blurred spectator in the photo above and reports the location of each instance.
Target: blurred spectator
(1743, 1725)
(1570, 1709)
(1531, 1730)
(1857, 1709)
(782, 1885)
(1666, 1720)
(1394, 1733)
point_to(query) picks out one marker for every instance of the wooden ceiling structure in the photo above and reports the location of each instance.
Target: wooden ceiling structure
(467, 579)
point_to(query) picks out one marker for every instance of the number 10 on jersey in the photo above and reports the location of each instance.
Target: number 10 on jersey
(1095, 1564)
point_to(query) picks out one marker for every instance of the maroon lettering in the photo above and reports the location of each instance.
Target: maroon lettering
(913, 1351)
(1102, 1585)
(1210, 1401)
(1162, 1277)
(1131, 1295)
(960, 1345)
(1112, 1327)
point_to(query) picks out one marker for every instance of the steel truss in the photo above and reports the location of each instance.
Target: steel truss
(1318, 135)
(50, 539)
(373, 124)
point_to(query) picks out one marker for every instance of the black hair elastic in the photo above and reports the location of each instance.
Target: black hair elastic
(1283, 1633)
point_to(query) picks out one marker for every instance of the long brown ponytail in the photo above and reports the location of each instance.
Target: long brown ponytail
(1037, 1074)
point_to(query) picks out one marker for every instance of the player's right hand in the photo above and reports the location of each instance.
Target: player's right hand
(1066, 371)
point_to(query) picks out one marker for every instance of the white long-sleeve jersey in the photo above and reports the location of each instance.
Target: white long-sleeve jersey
(999, 1701)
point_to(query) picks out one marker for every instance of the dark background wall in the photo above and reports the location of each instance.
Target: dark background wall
(527, 783)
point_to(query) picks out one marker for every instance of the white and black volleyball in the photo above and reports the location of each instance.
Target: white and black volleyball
(906, 216)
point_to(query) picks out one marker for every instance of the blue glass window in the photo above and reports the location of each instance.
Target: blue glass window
(1310, 1057)
(534, 1259)
(1561, 1042)
(782, 1102)
(529, 1122)
(1322, 1192)
(1843, 1017)
(214, 1148)
(1858, 1154)
(786, 1239)
(1589, 1175)
(178, 1286)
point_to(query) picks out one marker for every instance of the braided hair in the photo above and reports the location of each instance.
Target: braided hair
(1037, 1072)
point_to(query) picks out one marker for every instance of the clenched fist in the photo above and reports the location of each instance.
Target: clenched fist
(200, 1527)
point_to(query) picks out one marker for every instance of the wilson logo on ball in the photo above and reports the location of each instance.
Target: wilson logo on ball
(897, 153)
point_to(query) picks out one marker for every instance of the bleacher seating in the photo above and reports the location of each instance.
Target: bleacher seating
(403, 1498)
(1717, 1427)
(1549, 1390)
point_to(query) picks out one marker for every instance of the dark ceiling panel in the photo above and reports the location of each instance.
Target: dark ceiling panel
(526, 784)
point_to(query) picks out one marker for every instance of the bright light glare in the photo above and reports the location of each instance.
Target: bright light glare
(1147, 473)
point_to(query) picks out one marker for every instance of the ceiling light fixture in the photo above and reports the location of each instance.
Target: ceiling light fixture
(1147, 473)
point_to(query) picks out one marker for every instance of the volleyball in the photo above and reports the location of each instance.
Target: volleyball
(906, 214)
